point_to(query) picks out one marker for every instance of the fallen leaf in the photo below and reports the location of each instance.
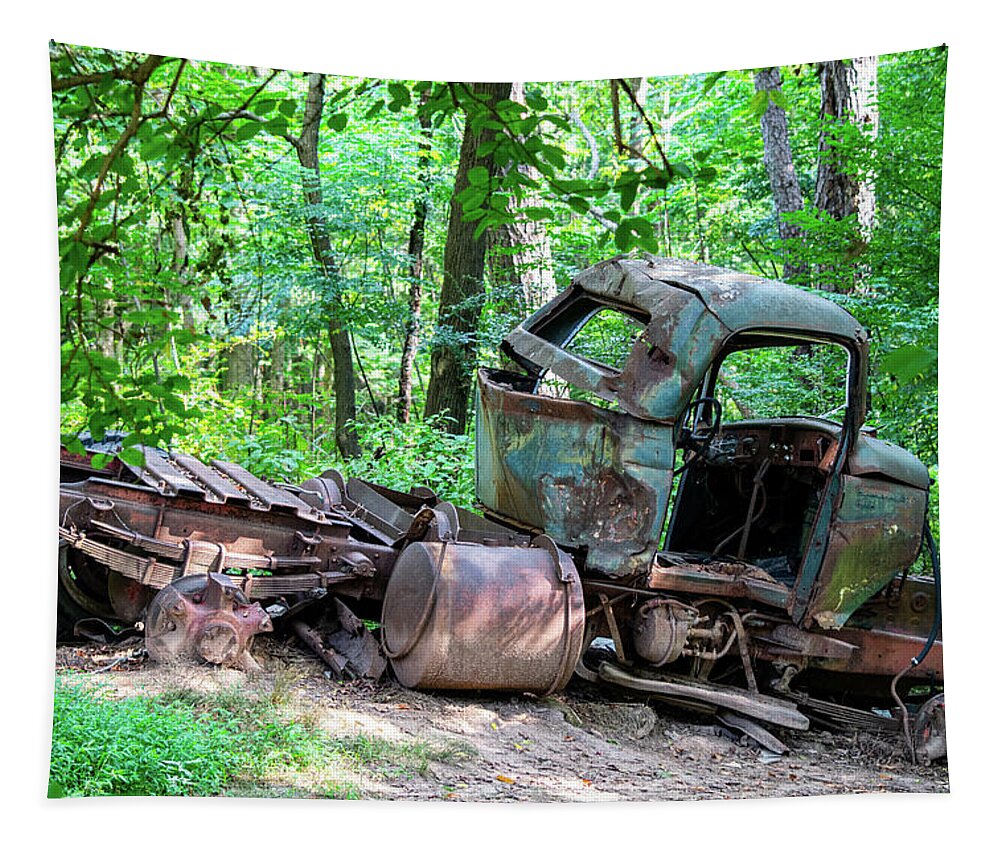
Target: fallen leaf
(586, 782)
(504, 779)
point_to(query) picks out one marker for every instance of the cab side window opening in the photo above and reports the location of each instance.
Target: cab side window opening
(605, 338)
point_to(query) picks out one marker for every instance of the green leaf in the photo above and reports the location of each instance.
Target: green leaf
(248, 130)
(486, 148)
(375, 109)
(711, 80)
(628, 191)
(908, 362)
(479, 176)
(635, 232)
(337, 122)
(73, 444)
(471, 197)
(278, 126)
(400, 95)
(777, 97)
(100, 460)
(580, 205)
(681, 170)
(287, 107)
(536, 100)
(536, 214)
(758, 103)
(131, 455)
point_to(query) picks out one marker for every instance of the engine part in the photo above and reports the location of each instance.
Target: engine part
(660, 630)
(204, 618)
(930, 741)
(465, 616)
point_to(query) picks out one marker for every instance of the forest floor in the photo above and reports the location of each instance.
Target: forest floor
(585, 744)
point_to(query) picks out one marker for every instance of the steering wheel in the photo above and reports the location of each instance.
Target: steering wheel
(696, 438)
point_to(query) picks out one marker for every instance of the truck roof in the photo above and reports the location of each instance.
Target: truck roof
(690, 311)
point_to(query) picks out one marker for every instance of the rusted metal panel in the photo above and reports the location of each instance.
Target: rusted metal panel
(871, 456)
(587, 477)
(724, 579)
(876, 532)
(884, 652)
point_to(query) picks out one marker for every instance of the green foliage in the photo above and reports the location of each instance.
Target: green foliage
(419, 453)
(193, 314)
(171, 745)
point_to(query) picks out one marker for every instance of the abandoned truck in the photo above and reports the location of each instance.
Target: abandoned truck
(647, 520)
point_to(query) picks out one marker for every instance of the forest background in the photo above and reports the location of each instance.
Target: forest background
(297, 271)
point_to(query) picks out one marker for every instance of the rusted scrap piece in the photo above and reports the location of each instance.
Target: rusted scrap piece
(929, 738)
(204, 618)
(344, 643)
(773, 710)
(752, 730)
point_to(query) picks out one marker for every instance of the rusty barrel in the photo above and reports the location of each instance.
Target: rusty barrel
(467, 616)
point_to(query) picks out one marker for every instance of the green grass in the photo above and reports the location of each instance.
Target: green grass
(179, 743)
(234, 742)
(400, 760)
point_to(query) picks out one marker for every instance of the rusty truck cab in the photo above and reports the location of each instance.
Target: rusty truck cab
(625, 380)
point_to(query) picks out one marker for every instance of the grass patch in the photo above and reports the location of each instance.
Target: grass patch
(400, 760)
(234, 742)
(181, 742)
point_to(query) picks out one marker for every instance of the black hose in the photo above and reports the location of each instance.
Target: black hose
(936, 567)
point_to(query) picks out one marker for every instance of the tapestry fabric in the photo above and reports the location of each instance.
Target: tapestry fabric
(498, 441)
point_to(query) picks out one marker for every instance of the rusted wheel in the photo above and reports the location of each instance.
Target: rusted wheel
(204, 618)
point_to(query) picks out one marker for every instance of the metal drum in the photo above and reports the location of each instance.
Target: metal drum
(467, 616)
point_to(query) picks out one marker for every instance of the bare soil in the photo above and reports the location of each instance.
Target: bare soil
(586, 744)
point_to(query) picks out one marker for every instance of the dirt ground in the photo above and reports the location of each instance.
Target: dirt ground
(586, 744)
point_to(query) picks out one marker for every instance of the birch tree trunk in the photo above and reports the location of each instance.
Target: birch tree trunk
(415, 248)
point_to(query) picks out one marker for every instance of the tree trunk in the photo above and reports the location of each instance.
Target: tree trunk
(785, 187)
(239, 367)
(865, 84)
(415, 248)
(846, 94)
(637, 127)
(519, 253)
(307, 149)
(453, 360)
(179, 265)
